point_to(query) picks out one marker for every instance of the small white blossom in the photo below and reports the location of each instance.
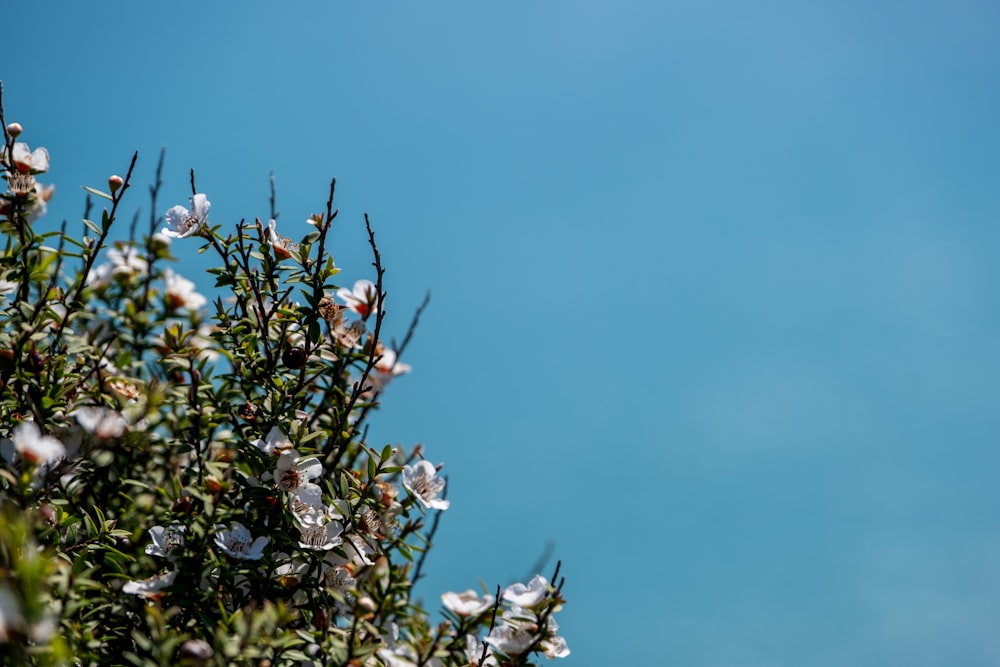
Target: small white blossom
(123, 264)
(281, 246)
(421, 481)
(468, 603)
(150, 587)
(30, 161)
(387, 366)
(275, 443)
(101, 422)
(165, 540)
(292, 472)
(363, 299)
(238, 543)
(35, 447)
(474, 651)
(321, 536)
(179, 292)
(24, 164)
(184, 223)
(527, 596)
(553, 646)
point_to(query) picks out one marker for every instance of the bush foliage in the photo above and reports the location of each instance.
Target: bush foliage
(186, 482)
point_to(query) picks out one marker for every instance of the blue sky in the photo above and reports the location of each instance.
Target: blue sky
(714, 289)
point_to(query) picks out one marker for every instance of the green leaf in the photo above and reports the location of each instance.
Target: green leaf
(98, 193)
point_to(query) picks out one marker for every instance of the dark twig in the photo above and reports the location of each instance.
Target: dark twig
(417, 573)
(333, 456)
(493, 623)
(413, 326)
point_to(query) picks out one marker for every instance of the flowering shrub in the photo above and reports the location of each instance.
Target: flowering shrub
(189, 483)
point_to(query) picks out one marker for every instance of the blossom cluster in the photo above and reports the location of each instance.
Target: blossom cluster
(196, 471)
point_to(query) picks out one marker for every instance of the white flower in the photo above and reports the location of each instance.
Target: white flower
(236, 542)
(510, 641)
(553, 646)
(358, 553)
(318, 529)
(421, 480)
(150, 587)
(474, 651)
(386, 367)
(527, 596)
(35, 447)
(518, 630)
(27, 161)
(180, 292)
(292, 472)
(275, 443)
(321, 536)
(24, 164)
(39, 206)
(363, 299)
(184, 223)
(202, 340)
(165, 540)
(122, 264)
(101, 422)
(401, 654)
(306, 504)
(281, 247)
(467, 603)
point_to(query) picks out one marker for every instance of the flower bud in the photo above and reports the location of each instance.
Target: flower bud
(196, 652)
(114, 182)
(213, 485)
(14, 130)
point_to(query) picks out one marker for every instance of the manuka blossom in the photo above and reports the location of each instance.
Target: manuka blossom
(318, 528)
(527, 596)
(474, 651)
(123, 264)
(238, 543)
(321, 536)
(184, 223)
(35, 447)
(363, 299)
(103, 423)
(467, 603)
(517, 630)
(292, 472)
(165, 540)
(29, 161)
(149, 588)
(275, 443)
(421, 481)
(281, 246)
(306, 503)
(179, 292)
(387, 367)
(553, 646)
(23, 164)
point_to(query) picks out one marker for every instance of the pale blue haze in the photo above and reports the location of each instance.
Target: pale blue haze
(715, 291)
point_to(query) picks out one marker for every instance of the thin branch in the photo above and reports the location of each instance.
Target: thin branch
(417, 573)
(413, 326)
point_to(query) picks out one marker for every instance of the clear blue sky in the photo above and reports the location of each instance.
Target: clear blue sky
(715, 286)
